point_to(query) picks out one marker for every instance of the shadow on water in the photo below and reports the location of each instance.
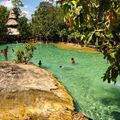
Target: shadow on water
(116, 115)
(114, 99)
(45, 67)
(77, 107)
(106, 101)
(76, 64)
(68, 68)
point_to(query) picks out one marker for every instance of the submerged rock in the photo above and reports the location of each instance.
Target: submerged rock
(28, 92)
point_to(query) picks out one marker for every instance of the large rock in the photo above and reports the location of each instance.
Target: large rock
(28, 92)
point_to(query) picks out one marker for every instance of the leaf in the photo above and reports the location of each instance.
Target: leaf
(100, 30)
(66, 7)
(74, 2)
(82, 37)
(98, 34)
(90, 37)
(109, 35)
(77, 21)
(113, 55)
(96, 43)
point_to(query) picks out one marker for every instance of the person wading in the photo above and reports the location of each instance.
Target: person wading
(5, 52)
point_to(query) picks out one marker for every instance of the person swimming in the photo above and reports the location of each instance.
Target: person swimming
(60, 66)
(72, 61)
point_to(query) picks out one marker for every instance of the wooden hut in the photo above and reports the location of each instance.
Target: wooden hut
(12, 25)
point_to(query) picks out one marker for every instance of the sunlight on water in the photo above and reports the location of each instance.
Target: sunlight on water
(97, 99)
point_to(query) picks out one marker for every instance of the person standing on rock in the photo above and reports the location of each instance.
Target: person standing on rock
(5, 53)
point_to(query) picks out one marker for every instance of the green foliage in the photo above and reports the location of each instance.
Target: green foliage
(25, 54)
(23, 27)
(63, 33)
(17, 3)
(74, 35)
(98, 22)
(47, 20)
(113, 57)
(3, 19)
(16, 6)
(20, 56)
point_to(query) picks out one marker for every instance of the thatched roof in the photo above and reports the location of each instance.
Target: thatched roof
(11, 22)
(12, 31)
(12, 15)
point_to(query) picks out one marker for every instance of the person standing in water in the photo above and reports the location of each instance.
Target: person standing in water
(5, 53)
(40, 63)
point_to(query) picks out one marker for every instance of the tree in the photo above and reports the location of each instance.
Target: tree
(23, 27)
(3, 19)
(99, 22)
(46, 20)
(16, 6)
(24, 54)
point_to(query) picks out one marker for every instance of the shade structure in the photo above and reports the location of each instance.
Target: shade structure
(12, 15)
(12, 24)
(12, 31)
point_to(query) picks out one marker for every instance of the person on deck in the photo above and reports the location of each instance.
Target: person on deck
(5, 53)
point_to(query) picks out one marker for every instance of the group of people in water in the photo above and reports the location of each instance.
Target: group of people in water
(5, 53)
(72, 61)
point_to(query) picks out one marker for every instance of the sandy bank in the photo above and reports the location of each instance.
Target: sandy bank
(71, 46)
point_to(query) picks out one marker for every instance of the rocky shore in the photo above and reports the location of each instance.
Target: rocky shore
(28, 92)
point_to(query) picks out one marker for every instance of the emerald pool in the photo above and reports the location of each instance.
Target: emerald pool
(97, 99)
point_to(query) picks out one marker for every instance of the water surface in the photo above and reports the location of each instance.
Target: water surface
(97, 99)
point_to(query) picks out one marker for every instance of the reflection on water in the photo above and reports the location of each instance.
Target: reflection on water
(92, 96)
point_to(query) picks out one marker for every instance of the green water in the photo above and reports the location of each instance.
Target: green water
(97, 99)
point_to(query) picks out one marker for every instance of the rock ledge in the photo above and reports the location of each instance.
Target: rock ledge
(29, 92)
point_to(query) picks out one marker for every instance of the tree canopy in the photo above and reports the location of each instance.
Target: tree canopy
(3, 19)
(47, 20)
(24, 27)
(16, 6)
